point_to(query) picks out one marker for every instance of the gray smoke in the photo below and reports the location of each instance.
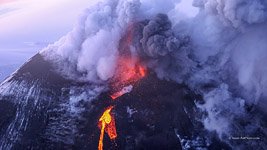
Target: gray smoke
(228, 39)
(158, 39)
(166, 53)
(220, 54)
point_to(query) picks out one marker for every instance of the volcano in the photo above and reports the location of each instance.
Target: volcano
(42, 110)
(136, 74)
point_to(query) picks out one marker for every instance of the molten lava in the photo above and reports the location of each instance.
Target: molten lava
(128, 72)
(125, 90)
(107, 124)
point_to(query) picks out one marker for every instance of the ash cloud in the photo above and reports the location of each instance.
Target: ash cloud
(164, 52)
(235, 13)
(158, 39)
(219, 54)
(227, 39)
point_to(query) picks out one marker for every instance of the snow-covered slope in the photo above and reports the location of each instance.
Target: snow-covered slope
(38, 106)
(42, 110)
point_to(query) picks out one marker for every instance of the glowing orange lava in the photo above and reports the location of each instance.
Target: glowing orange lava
(107, 124)
(116, 95)
(128, 72)
(125, 90)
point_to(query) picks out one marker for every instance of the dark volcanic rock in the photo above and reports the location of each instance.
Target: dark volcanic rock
(42, 110)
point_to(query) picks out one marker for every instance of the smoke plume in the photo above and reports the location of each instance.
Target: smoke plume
(220, 54)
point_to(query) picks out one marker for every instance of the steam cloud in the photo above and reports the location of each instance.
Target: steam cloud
(220, 54)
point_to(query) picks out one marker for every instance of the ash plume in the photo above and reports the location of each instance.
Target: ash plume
(164, 52)
(158, 39)
(219, 54)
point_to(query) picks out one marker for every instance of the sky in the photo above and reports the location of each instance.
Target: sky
(28, 22)
(27, 26)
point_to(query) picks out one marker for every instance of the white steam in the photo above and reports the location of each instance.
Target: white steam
(89, 51)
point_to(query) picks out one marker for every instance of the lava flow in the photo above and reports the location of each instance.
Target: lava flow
(127, 73)
(107, 124)
(125, 90)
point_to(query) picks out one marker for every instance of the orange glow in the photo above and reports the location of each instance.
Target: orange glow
(100, 143)
(111, 129)
(142, 71)
(127, 73)
(107, 124)
(116, 95)
(125, 90)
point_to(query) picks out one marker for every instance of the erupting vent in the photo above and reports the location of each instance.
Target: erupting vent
(127, 74)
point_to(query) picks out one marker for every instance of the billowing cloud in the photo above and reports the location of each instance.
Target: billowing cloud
(218, 53)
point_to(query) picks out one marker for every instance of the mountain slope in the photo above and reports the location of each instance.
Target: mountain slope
(42, 110)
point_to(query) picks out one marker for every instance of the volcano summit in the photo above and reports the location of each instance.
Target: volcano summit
(137, 74)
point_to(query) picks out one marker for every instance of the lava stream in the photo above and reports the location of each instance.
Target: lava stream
(129, 71)
(125, 90)
(107, 123)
